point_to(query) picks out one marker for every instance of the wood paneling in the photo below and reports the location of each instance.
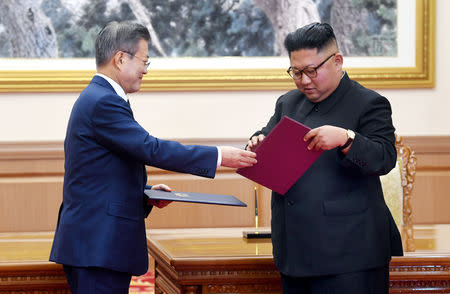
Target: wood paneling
(31, 177)
(430, 196)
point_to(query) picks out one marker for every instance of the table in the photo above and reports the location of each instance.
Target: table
(220, 260)
(24, 265)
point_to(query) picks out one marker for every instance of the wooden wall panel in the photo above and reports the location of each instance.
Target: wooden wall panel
(29, 204)
(430, 198)
(31, 177)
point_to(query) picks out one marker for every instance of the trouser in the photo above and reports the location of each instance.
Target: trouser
(373, 281)
(95, 280)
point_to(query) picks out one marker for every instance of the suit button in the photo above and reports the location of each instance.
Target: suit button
(202, 171)
(291, 202)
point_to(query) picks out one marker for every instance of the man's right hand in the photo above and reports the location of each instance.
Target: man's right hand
(254, 142)
(237, 158)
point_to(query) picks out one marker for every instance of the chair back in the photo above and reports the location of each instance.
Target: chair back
(397, 187)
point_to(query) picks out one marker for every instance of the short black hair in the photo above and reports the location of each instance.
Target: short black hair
(315, 35)
(118, 36)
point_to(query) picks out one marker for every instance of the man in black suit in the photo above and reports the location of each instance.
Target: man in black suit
(332, 231)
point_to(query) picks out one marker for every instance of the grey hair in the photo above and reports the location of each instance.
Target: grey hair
(118, 36)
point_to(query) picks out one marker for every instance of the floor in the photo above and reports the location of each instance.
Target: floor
(144, 284)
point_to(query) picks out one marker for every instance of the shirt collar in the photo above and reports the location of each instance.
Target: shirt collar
(325, 105)
(115, 85)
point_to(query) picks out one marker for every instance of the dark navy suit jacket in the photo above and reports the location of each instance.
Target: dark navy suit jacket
(101, 219)
(334, 218)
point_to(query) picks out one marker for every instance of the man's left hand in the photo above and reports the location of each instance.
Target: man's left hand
(160, 203)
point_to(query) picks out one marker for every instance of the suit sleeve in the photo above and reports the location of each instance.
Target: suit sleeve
(373, 150)
(115, 128)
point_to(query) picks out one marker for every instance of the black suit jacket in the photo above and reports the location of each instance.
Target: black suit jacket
(334, 218)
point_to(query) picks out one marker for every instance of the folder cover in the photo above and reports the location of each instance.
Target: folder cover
(194, 197)
(282, 157)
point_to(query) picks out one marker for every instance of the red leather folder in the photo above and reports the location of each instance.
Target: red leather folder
(282, 157)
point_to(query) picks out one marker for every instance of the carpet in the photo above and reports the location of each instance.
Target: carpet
(144, 284)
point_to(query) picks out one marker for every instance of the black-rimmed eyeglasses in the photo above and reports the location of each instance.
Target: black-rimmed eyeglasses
(146, 63)
(310, 71)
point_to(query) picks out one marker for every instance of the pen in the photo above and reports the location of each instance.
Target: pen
(256, 211)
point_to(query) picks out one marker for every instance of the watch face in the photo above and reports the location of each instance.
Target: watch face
(351, 134)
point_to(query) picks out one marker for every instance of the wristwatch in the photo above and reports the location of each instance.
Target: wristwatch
(350, 138)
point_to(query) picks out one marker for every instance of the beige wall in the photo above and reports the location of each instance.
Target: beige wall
(43, 116)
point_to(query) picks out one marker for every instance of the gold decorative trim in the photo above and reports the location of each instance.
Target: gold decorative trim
(245, 288)
(268, 273)
(408, 173)
(421, 268)
(420, 76)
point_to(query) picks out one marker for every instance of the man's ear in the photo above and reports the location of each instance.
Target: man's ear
(339, 61)
(118, 59)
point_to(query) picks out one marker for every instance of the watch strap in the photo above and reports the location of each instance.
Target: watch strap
(349, 141)
(350, 138)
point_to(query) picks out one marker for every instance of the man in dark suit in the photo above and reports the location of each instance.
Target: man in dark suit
(332, 231)
(100, 237)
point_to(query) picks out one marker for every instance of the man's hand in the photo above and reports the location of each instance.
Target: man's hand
(237, 158)
(254, 142)
(326, 138)
(160, 203)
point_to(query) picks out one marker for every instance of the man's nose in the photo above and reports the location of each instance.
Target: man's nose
(304, 79)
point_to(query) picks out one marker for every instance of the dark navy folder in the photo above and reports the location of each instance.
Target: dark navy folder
(194, 197)
(282, 157)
